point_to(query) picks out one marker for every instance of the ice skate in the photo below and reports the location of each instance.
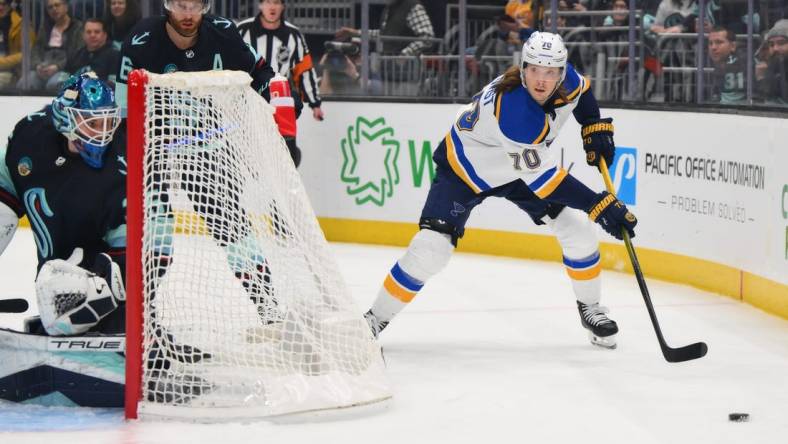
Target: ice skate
(258, 286)
(601, 329)
(374, 324)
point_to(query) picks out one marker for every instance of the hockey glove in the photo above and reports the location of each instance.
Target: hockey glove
(612, 215)
(72, 300)
(598, 141)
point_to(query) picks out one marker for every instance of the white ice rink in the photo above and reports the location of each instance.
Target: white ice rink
(492, 351)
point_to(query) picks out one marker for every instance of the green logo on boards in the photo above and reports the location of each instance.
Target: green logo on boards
(369, 161)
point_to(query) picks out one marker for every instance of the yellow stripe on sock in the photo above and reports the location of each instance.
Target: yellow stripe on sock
(397, 291)
(586, 274)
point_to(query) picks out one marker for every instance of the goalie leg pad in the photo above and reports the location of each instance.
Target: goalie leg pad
(85, 371)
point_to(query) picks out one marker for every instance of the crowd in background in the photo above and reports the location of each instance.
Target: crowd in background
(414, 49)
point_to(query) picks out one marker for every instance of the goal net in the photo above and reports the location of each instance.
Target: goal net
(236, 307)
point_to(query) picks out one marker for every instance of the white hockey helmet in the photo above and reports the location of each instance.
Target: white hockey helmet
(169, 5)
(545, 49)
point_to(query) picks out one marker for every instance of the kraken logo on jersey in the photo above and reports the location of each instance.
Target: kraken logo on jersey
(25, 166)
(139, 39)
(171, 67)
(36, 203)
(222, 21)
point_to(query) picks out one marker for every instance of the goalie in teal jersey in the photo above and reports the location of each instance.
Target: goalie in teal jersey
(64, 168)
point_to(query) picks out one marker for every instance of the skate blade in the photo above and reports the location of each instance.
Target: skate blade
(608, 342)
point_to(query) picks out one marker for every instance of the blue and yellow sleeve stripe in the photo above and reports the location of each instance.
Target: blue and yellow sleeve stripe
(460, 164)
(583, 269)
(400, 285)
(545, 184)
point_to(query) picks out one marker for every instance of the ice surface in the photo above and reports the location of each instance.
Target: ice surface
(492, 351)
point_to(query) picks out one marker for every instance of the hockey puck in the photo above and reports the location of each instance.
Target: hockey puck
(739, 417)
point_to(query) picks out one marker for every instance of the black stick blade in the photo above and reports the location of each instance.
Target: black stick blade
(13, 305)
(686, 353)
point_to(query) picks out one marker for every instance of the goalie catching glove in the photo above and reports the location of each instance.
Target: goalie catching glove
(72, 299)
(598, 141)
(612, 215)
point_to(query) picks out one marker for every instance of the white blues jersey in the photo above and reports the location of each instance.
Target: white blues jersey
(499, 138)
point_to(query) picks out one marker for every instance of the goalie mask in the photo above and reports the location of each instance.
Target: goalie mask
(544, 49)
(86, 113)
(188, 6)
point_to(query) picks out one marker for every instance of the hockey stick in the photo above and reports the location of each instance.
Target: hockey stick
(681, 354)
(13, 305)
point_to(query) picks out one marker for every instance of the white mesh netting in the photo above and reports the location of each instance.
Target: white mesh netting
(245, 311)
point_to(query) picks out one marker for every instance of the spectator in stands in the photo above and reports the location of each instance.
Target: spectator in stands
(772, 74)
(400, 68)
(547, 17)
(675, 16)
(120, 17)
(732, 14)
(493, 53)
(400, 18)
(98, 54)
(730, 68)
(524, 12)
(621, 15)
(341, 70)
(10, 45)
(59, 39)
(617, 56)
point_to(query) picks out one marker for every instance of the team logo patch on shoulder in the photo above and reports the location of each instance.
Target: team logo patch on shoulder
(139, 39)
(25, 166)
(221, 21)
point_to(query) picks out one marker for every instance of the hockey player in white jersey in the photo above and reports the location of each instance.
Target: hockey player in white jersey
(499, 146)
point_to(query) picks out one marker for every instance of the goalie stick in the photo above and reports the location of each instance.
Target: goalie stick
(681, 354)
(16, 305)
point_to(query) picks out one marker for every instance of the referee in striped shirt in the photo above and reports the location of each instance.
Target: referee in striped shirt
(283, 47)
